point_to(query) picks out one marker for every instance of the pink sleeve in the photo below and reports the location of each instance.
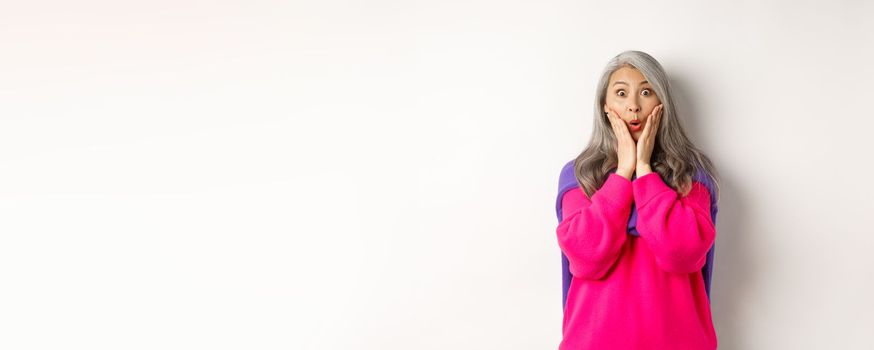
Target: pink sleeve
(678, 230)
(592, 232)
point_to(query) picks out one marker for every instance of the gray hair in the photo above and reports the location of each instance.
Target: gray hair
(674, 157)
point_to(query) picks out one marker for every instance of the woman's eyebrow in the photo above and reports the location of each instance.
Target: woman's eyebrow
(622, 82)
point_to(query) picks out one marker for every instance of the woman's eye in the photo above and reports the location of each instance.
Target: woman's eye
(622, 92)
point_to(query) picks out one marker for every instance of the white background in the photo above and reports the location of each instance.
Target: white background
(382, 175)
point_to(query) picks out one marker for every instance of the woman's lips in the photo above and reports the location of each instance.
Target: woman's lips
(635, 127)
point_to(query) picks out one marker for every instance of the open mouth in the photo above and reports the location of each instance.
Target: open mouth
(635, 125)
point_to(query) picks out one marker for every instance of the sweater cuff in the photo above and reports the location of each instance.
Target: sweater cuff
(617, 190)
(647, 187)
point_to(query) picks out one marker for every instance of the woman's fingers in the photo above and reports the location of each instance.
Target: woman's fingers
(625, 148)
(651, 124)
(646, 126)
(647, 138)
(612, 122)
(655, 123)
(618, 125)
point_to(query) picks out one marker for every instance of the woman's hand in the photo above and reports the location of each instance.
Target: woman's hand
(625, 148)
(646, 141)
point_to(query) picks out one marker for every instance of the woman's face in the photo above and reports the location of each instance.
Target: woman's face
(631, 97)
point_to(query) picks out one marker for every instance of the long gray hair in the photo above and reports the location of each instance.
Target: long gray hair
(674, 157)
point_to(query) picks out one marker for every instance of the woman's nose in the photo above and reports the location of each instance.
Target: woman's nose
(633, 109)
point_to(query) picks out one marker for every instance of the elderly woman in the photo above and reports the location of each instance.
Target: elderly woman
(637, 212)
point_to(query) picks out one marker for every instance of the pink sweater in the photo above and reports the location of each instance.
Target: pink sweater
(637, 292)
